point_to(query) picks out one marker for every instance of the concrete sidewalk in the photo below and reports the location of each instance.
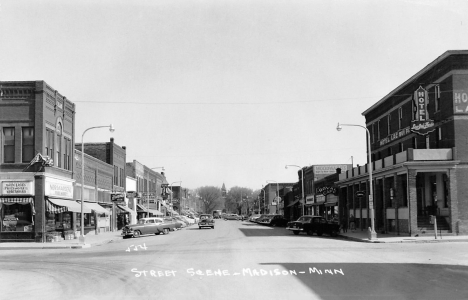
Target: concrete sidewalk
(362, 236)
(91, 239)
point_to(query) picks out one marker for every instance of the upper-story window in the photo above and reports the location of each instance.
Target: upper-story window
(378, 130)
(49, 143)
(8, 144)
(66, 154)
(373, 133)
(58, 145)
(389, 126)
(437, 97)
(400, 117)
(27, 144)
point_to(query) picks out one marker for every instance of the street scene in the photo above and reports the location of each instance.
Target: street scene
(239, 259)
(223, 149)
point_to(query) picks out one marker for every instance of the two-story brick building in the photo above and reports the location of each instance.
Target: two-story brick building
(419, 154)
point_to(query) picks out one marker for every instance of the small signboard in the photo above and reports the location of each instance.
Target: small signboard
(117, 197)
(360, 194)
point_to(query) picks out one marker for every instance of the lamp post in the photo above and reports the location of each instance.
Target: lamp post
(372, 234)
(111, 129)
(171, 194)
(277, 191)
(147, 186)
(302, 181)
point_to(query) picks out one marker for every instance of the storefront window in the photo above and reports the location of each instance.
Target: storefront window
(16, 217)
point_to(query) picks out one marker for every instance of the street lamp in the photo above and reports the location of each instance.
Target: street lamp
(111, 129)
(277, 190)
(303, 196)
(372, 234)
(171, 194)
(147, 186)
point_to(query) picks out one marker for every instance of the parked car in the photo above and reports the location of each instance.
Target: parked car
(231, 217)
(189, 220)
(181, 220)
(253, 218)
(314, 224)
(259, 219)
(274, 220)
(206, 220)
(177, 224)
(147, 226)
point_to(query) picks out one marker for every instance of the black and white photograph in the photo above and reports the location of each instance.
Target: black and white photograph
(234, 149)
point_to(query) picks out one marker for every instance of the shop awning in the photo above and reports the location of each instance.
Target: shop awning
(57, 206)
(18, 200)
(97, 208)
(141, 208)
(331, 203)
(316, 204)
(126, 209)
(294, 202)
(155, 212)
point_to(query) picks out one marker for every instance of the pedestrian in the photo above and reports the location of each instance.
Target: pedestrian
(344, 225)
(352, 224)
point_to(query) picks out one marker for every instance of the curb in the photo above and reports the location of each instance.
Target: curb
(408, 240)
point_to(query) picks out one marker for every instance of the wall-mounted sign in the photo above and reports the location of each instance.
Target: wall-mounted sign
(396, 135)
(360, 194)
(13, 188)
(118, 197)
(58, 188)
(329, 169)
(460, 102)
(325, 190)
(422, 124)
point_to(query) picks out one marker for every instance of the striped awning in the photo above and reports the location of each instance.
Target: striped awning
(96, 207)
(18, 200)
(141, 208)
(126, 209)
(57, 206)
(155, 212)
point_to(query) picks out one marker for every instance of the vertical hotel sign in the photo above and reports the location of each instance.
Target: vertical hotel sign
(422, 124)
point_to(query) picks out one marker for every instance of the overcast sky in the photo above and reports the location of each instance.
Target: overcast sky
(227, 91)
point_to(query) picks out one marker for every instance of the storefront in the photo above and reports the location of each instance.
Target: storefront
(17, 213)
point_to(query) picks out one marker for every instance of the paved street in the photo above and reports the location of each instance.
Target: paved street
(238, 260)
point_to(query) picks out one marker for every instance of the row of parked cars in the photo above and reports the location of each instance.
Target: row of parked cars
(158, 225)
(307, 224)
(270, 220)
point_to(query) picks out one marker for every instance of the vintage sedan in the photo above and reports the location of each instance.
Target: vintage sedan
(206, 221)
(147, 226)
(253, 218)
(176, 223)
(232, 217)
(314, 224)
(274, 220)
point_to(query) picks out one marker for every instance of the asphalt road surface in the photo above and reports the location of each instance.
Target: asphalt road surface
(237, 260)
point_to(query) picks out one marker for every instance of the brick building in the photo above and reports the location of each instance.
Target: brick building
(37, 126)
(112, 166)
(419, 154)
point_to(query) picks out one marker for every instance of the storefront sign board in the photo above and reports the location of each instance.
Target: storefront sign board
(58, 188)
(13, 188)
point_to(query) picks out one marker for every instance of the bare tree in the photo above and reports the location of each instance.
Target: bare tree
(210, 197)
(238, 198)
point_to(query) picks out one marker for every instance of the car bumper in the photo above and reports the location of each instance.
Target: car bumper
(295, 229)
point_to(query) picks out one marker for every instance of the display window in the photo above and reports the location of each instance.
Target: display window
(59, 222)
(16, 217)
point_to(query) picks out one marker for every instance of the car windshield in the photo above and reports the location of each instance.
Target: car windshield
(304, 219)
(141, 221)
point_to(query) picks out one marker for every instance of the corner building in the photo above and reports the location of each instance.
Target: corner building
(37, 127)
(419, 153)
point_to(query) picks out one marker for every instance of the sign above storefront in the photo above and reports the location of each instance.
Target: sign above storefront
(325, 190)
(422, 125)
(118, 197)
(13, 188)
(58, 188)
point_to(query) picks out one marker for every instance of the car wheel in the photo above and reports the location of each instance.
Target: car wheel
(125, 237)
(296, 232)
(212, 227)
(310, 232)
(157, 233)
(166, 231)
(319, 233)
(334, 233)
(199, 227)
(136, 234)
